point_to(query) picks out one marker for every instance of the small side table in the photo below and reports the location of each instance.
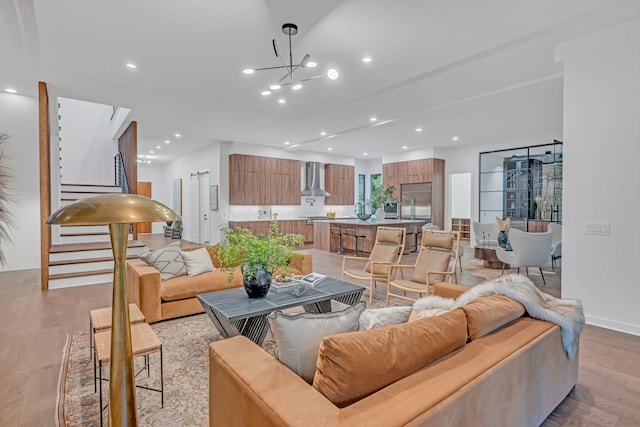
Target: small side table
(100, 320)
(488, 256)
(144, 342)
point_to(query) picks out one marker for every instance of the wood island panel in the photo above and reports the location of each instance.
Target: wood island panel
(286, 226)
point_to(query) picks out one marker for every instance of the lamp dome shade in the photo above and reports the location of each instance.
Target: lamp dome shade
(112, 209)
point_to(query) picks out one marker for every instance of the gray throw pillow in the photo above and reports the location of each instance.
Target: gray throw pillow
(373, 318)
(298, 336)
(168, 261)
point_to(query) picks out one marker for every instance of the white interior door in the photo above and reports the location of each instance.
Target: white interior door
(200, 208)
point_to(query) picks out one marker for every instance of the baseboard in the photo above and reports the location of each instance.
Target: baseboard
(627, 328)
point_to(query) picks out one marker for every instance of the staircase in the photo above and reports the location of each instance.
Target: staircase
(81, 255)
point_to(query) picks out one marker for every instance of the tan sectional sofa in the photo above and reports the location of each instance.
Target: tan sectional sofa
(176, 297)
(514, 375)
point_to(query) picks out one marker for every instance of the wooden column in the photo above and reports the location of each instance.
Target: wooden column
(128, 146)
(45, 182)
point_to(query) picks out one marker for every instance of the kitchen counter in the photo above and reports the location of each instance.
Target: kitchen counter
(323, 239)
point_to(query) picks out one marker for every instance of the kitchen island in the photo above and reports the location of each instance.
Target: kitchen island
(325, 240)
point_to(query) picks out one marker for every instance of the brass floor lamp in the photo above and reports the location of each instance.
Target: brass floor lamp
(119, 211)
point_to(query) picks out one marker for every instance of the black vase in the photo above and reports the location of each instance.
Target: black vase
(503, 237)
(258, 286)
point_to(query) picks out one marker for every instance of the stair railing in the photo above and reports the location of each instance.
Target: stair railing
(120, 173)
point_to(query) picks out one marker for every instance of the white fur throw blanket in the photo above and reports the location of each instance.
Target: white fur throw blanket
(566, 313)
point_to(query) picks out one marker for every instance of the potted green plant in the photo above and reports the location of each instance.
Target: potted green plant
(258, 256)
(380, 198)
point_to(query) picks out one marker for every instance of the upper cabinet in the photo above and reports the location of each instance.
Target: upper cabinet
(339, 182)
(255, 180)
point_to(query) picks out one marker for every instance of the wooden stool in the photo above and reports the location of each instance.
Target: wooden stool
(100, 320)
(144, 342)
(336, 231)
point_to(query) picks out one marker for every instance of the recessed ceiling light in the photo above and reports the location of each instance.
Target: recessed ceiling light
(365, 154)
(266, 92)
(11, 90)
(312, 64)
(323, 133)
(297, 86)
(158, 147)
(149, 161)
(455, 138)
(330, 149)
(418, 129)
(282, 100)
(274, 87)
(177, 135)
(151, 152)
(248, 71)
(130, 65)
(287, 143)
(404, 147)
(366, 59)
(372, 119)
(166, 141)
(333, 74)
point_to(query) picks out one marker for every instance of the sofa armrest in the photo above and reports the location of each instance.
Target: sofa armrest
(248, 387)
(304, 264)
(449, 290)
(143, 288)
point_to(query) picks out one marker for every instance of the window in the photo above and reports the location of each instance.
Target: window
(361, 188)
(376, 182)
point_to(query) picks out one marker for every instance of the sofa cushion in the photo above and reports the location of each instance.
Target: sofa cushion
(189, 286)
(373, 318)
(381, 253)
(298, 336)
(168, 261)
(354, 365)
(197, 261)
(490, 312)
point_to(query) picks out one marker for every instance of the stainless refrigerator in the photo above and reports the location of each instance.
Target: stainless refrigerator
(416, 201)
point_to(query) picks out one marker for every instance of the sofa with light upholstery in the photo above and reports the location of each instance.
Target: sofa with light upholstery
(483, 364)
(161, 300)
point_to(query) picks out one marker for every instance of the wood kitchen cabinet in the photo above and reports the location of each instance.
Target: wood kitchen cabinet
(339, 182)
(255, 180)
(286, 226)
(418, 171)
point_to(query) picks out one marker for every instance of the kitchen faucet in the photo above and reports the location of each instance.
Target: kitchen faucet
(358, 209)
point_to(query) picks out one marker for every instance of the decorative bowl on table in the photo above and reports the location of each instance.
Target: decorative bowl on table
(364, 217)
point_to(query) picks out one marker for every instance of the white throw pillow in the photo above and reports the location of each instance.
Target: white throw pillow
(373, 318)
(197, 261)
(430, 306)
(298, 336)
(168, 261)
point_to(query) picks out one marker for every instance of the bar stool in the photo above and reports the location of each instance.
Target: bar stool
(144, 342)
(412, 230)
(352, 232)
(337, 231)
(100, 320)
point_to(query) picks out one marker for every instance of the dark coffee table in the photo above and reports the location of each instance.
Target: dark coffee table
(233, 313)
(488, 255)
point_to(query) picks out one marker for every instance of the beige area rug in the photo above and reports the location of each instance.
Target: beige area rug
(186, 377)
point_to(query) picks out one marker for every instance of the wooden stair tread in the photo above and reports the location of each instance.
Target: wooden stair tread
(91, 246)
(91, 185)
(79, 274)
(102, 233)
(86, 260)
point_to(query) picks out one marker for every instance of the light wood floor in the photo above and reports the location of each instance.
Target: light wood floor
(34, 326)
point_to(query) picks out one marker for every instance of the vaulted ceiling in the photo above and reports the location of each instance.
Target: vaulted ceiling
(480, 70)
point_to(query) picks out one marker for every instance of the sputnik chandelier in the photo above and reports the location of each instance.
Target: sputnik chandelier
(288, 79)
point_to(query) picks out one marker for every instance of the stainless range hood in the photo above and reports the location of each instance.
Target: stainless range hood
(312, 174)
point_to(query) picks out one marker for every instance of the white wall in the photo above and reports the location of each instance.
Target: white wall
(601, 153)
(460, 195)
(19, 119)
(87, 147)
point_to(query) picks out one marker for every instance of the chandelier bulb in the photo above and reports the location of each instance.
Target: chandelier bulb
(333, 74)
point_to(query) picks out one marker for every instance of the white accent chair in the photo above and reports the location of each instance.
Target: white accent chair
(528, 250)
(556, 241)
(485, 233)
